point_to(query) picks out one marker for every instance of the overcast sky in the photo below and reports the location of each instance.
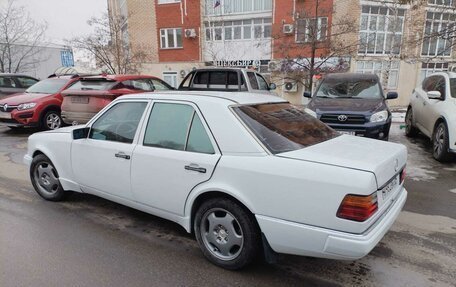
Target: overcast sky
(66, 18)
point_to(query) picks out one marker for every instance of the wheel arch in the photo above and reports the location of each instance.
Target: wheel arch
(195, 201)
(437, 122)
(52, 107)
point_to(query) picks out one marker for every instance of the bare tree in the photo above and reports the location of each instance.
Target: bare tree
(110, 46)
(319, 46)
(20, 39)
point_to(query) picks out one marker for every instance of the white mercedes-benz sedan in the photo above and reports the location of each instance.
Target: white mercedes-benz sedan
(246, 173)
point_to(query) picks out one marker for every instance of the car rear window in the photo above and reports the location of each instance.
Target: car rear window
(100, 85)
(282, 127)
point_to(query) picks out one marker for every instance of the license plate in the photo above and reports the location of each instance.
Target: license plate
(80, 100)
(389, 188)
(4, 115)
(347, 133)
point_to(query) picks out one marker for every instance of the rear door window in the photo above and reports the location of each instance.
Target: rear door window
(159, 85)
(177, 127)
(26, 82)
(7, 82)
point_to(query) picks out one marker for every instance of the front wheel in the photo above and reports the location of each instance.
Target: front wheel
(227, 234)
(45, 179)
(51, 120)
(410, 130)
(440, 143)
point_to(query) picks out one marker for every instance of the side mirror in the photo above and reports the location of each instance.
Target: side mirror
(307, 95)
(434, 95)
(81, 133)
(272, 86)
(392, 95)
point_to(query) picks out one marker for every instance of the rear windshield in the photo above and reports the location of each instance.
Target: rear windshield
(352, 88)
(48, 86)
(86, 85)
(284, 127)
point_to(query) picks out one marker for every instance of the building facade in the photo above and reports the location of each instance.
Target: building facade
(383, 37)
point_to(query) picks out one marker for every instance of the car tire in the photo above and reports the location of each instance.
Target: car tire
(45, 179)
(51, 120)
(410, 130)
(440, 143)
(227, 233)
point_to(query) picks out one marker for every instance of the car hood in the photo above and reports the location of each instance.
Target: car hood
(324, 105)
(384, 159)
(21, 98)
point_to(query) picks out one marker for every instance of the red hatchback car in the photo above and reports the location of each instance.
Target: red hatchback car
(86, 97)
(38, 106)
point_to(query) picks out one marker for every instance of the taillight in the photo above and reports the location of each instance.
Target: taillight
(403, 174)
(358, 207)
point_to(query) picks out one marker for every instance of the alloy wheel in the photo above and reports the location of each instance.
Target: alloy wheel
(439, 140)
(53, 121)
(46, 178)
(222, 234)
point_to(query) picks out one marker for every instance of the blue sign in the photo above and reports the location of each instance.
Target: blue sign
(67, 58)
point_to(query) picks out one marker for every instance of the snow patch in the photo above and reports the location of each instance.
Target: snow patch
(453, 190)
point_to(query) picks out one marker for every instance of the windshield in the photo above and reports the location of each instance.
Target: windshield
(284, 127)
(48, 86)
(356, 89)
(100, 85)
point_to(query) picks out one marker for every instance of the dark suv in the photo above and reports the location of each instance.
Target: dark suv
(353, 104)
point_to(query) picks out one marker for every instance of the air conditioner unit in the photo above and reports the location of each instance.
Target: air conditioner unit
(190, 33)
(288, 28)
(274, 66)
(290, 87)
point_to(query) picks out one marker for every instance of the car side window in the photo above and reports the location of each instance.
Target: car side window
(178, 127)
(7, 82)
(139, 84)
(119, 123)
(440, 86)
(26, 82)
(253, 80)
(429, 84)
(263, 85)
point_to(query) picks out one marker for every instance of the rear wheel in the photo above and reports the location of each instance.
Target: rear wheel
(440, 143)
(51, 120)
(227, 234)
(45, 179)
(410, 130)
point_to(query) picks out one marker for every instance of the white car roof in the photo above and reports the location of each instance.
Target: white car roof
(230, 98)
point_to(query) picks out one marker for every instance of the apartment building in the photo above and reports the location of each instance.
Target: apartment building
(180, 35)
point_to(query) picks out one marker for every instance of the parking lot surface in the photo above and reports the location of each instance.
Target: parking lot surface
(88, 241)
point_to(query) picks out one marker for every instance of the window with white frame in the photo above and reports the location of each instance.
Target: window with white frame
(168, 1)
(260, 28)
(438, 32)
(170, 78)
(430, 68)
(381, 30)
(311, 29)
(229, 7)
(441, 2)
(171, 38)
(387, 71)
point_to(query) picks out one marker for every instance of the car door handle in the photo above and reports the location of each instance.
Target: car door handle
(122, 155)
(195, 168)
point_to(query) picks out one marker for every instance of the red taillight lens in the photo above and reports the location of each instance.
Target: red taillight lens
(358, 207)
(403, 174)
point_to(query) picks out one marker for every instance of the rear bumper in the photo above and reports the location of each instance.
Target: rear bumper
(305, 240)
(76, 117)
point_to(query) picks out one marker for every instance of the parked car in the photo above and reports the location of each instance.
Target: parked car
(15, 83)
(432, 111)
(89, 95)
(38, 106)
(255, 173)
(226, 80)
(353, 104)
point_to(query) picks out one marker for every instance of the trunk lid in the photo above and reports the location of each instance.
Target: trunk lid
(384, 159)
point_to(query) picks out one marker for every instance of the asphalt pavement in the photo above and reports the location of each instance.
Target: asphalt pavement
(89, 241)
